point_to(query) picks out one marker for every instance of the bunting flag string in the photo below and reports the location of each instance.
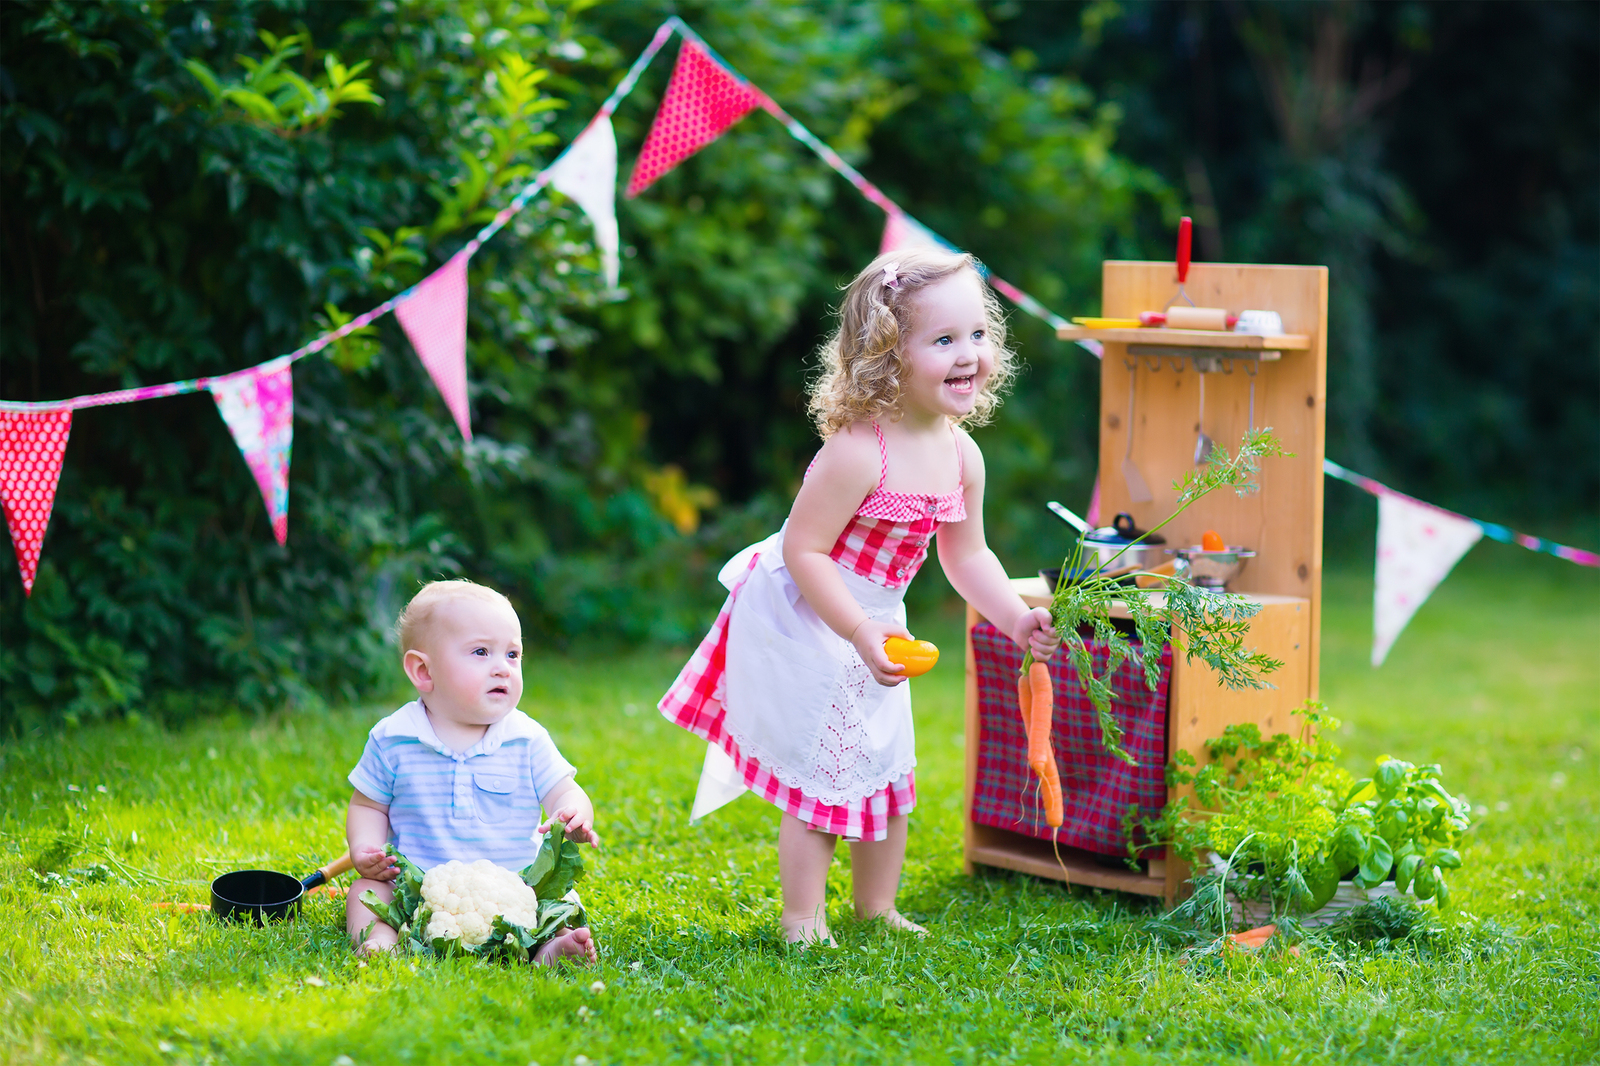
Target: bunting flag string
(258, 407)
(1418, 545)
(705, 97)
(32, 446)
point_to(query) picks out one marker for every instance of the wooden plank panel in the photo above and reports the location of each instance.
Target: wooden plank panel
(1013, 851)
(1199, 706)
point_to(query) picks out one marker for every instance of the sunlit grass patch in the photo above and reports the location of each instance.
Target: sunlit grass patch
(1496, 679)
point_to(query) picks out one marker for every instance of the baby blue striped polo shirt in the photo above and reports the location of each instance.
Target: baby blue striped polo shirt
(482, 803)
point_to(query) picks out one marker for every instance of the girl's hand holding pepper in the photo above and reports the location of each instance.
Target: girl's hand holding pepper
(868, 639)
(1036, 631)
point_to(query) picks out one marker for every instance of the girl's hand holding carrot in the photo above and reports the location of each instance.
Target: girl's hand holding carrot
(1036, 631)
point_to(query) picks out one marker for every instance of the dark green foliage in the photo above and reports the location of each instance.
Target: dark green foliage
(1442, 159)
(175, 204)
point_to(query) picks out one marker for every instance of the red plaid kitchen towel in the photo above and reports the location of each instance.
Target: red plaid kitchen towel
(1096, 787)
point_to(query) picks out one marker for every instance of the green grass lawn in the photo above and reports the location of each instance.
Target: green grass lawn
(1498, 678)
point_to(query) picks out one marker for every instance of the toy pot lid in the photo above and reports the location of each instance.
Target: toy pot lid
(1122, 531)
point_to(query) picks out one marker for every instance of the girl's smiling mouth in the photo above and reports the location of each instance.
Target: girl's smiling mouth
(959, 382)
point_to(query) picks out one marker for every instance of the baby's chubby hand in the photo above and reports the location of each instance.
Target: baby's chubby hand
(577, 820)
(1036, 631)
(374, 863)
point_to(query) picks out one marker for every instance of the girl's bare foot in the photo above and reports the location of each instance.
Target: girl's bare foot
(897, 921)
(806, 932)
(574, 945)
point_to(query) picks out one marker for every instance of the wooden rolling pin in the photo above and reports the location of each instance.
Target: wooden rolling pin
(1181, 317)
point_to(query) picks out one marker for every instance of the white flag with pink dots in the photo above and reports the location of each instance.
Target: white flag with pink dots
(1418, 545)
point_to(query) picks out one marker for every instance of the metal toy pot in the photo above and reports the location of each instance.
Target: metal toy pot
(260, 895)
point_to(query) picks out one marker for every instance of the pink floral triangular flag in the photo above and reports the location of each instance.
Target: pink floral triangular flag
(258, 407)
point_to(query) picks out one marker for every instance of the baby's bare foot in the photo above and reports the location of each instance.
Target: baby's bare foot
(898, 922)
(574, 945)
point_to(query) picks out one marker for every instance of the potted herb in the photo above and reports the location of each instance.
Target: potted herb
(1282, 830)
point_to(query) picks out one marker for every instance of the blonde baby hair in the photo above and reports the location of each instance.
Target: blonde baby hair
(862, 366)
(412, 626)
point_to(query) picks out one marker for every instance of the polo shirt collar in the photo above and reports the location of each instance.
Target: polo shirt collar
(412, 721)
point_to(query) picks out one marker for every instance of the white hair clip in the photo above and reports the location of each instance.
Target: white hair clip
(891, 275)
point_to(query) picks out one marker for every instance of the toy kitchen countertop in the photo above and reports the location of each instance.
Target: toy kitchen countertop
(1035, 593)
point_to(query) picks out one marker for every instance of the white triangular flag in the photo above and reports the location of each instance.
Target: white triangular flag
(1417, 546)
(720, 784)
(587, 172)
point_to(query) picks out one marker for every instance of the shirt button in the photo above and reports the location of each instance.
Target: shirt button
(900, 572)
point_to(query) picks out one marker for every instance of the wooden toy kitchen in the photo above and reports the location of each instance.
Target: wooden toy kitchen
(1165, 393)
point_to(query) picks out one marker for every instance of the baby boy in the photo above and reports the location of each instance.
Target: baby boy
(459, 772)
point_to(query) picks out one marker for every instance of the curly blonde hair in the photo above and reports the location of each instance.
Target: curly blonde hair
(862, 365)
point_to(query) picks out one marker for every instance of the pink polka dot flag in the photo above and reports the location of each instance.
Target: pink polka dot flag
(701, 101)
(258, 406)
(32, 445)
(435, 318)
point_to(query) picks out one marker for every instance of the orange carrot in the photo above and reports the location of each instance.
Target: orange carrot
(1040, 757)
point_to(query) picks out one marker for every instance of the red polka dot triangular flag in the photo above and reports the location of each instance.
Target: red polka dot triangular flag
(32, 445)
(702, 100)
(435, 318)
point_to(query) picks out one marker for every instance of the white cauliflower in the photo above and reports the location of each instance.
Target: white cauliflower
(466, 899)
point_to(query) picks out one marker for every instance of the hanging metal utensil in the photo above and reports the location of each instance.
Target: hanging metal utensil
(1138, 488)
(1203, 444)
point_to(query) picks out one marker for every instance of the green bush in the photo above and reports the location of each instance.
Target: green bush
(180, 200)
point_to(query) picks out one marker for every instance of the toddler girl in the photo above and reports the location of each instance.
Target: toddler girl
(792, 688)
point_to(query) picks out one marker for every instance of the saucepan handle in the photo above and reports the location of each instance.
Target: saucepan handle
(338, 866)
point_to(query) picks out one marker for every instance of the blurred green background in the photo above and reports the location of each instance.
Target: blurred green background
(1442, 160)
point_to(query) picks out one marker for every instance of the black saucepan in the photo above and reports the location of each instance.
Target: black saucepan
(259, 895)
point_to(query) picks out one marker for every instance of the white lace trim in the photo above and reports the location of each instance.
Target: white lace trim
(840, 776)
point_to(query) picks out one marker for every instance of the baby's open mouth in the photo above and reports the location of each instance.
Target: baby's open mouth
(959, 382)
(500, 690)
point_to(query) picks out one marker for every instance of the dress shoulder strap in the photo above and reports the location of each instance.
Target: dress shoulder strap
(883, 456)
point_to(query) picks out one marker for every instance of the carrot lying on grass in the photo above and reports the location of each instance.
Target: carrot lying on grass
(1037, 701)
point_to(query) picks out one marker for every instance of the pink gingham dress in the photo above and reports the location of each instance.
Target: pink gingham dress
(885, 543)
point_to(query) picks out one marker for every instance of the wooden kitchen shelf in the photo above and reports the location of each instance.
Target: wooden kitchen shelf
(1189, 338)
